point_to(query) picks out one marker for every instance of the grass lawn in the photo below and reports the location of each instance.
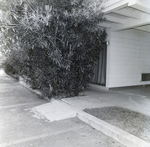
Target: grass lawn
(130, 121)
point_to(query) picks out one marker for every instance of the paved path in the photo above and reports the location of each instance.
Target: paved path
(20, 128)
(136, 99)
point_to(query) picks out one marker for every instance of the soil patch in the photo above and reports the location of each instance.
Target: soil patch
(130, 121)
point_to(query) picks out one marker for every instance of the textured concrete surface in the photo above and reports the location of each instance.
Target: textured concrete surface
(96, 99)
(130, 121)
(139, 90)
(55, 110)
(121, 136)
(20, 127)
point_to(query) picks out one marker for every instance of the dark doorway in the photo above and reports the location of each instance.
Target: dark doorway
(99, 76)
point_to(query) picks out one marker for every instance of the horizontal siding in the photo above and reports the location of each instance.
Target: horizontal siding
(128, 57)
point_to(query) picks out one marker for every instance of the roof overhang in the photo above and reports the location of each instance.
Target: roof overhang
(127, 14)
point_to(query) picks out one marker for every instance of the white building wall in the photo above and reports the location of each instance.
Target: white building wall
(128, 55)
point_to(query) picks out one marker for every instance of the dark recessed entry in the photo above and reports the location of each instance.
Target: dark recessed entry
(145, 76)
(99, 76)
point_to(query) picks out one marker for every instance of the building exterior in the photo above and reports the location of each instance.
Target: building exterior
(126, 59)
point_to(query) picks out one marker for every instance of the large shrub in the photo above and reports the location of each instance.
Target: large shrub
(55, 43)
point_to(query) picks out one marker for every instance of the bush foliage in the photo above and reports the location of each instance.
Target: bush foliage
(54, 43)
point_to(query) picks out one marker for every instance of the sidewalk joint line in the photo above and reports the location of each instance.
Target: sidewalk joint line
(10, 106)
(38, 137)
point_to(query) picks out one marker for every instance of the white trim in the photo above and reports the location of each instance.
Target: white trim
(141, 5)
(112, 5)
(141, 8)
(128, 13)
(132, 24)
(136, 18)
(144, 28)
(104, 25)
(114, 19)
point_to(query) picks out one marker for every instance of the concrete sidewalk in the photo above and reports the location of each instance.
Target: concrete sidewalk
(136, 99)
(20, 127)
(130, 98)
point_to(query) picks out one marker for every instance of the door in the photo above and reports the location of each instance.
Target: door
(99, 76)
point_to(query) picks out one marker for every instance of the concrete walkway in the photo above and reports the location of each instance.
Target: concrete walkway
(20, 127)
(136, 99)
